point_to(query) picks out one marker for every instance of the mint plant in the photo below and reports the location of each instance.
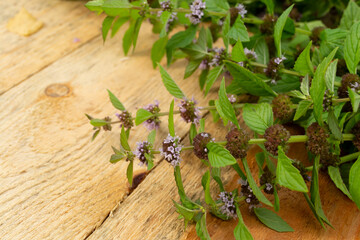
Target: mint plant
(301, 71)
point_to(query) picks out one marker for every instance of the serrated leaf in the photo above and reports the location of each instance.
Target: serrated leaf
(192, 132)
(238, 31)
(287, 175)
(205, 182)
(271, 220)
(279, 27)
(164, 18)
(216, 175)
(304, 87)
(354, 99)
(106, 25)
(170, 84)
(181, 191)
(188, 214)
(303, 64)
(297, 94)
(352, 48)
(171, 119)
(220, 112)
(330, 75)
(302, 108)
(237, 53)
(226, 107)
(334, 125)
(241, 232)
(98, 122)
(95, 134)
(202, 78)
(256, 190)
(95, 6)
(225, 31)
(158, 50)
(354, 182)
(334, 173)
(115, 7)
(248, 80)
(262, 51)
(219, 156)
(115, 101)
(350, 15)
(221, 6)
(128, 39)
(258, 117)
(142, 115)
(129, 172)
(192, 66)
(116, 157)
(331, 39)
(212, 76)
(124, 139)
(269, 6)
(151, 137)
(201, 229)
(117, 25)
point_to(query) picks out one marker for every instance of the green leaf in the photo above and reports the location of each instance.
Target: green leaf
(225, 31)
(142, 115)
(226, 107)
(216, 175)
(201, 229)
(183, 198)
(180, 40)
(304, 87)
(212, 76)
(350, 16)
(318, 87)
(192, 133)
(334, 125)
(238, 170)
(279, 27)
(271, 220)
(117, 25)
(258, 117)
(354, 182)
(238, 31)
(116, 157)
(170, 84)
(95, 5)
(203, 77)
(331, 39)
(219, 156)
(262, 51)
(276, 200)
(334, 173)
(248, 80)
(330, 75)
(164, 18)
(314, 190)
(115, 101)
(205, 182)
(98, 122)
(136, 30)
(128, 39)
(171, 119)
(202, 125)
(297, 94)
(95, 134)
(287, 175)
(124, 140)
(302, 108)
(256, 190)
(352, 48)
(151, 137)
(188, 214)
(354, 99)
(195, 51)
(106, 25)
(192, 66)
(158, 50)
(241, 232)
(269, 6)
(303, 64)
(237, 53)
(115, 7)
(129, 172)
(221, 6)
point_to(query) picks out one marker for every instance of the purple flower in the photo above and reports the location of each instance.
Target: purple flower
(125, 119)
(189, 112)
(241, 10)
(228, 208)
(279, 60)
(232, 98)
(171, 150)
(203, 65)
(250, 54)
(142, 149)
(218, 57)
(197, 11)
(154, 121)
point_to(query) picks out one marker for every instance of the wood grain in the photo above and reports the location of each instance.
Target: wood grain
(55, 183)
(21, 57)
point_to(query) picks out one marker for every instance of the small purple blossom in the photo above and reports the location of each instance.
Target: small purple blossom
(232, 98)
(142, 149)
(247, 192)
(241, 10)
(165, 6)
(197, 11)
(250, 54)
(203, 65)
(125, 119)
(171, 150)
(279, 60)
(154, 121)
(241, 64)
(228, 208)
(189, 112)
(218, 57)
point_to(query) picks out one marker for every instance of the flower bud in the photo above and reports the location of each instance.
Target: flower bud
(282, 108)
(199, 142)
(317, 139)
(348, 80)
(237, 143)
(267, 179)
(107, 127)
(125, 119)
(171, 150)
(276, 135)
(315, 35)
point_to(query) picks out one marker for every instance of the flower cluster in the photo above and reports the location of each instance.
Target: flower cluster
(107, 127)
(351, 81)
(189, 112)
(317, 139)
(171, 150)
(197, 11)
(327, 102)
(166, 6)
(315, 35)
(125, 119)
(247, 192)
(241, 10)
(199, 142)
(267, 179)
(142, 149)
(282, 108)
(273, 67)
(268, 25)
(237, 142)
(154, 121)
(276, 136)
(228, 208)
(250, 54)
(219, 56)
(232, 98)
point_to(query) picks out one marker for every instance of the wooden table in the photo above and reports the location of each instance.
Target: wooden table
(57, 184)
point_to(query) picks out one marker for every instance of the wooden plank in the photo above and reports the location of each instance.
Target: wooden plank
(67, 26)
(55, 183)
(148, 213)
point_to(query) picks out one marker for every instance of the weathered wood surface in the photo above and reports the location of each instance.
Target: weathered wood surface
(56, 184)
